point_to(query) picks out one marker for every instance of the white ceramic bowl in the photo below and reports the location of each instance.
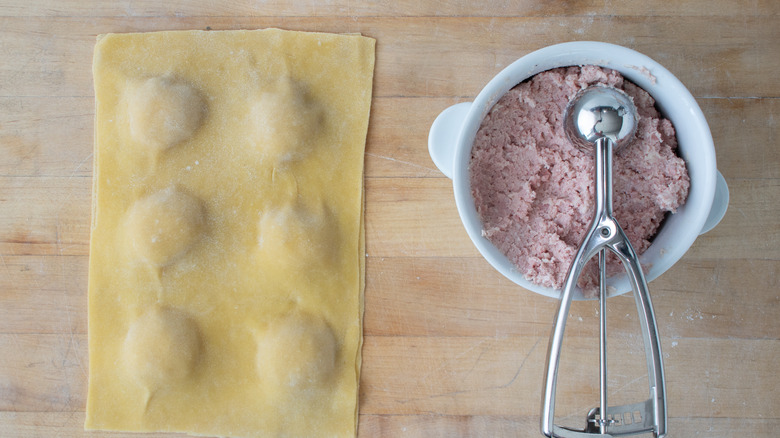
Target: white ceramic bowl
(454, 130)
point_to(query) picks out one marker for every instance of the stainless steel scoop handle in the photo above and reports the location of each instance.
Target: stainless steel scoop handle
(606, 234)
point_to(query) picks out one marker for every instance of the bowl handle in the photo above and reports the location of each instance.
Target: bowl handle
(719, 204)
(443, 137)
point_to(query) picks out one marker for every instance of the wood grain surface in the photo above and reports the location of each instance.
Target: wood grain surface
(452, 349)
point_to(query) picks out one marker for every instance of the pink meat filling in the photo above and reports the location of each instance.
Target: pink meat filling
(534, 190)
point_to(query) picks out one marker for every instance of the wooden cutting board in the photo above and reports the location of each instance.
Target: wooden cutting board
(451, 347)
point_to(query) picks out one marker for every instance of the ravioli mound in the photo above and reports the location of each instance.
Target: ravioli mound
(163, 226)
(297, 351)
(162, 347)
(164, 112)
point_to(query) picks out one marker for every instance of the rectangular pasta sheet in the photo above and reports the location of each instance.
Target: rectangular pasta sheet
(226, 258)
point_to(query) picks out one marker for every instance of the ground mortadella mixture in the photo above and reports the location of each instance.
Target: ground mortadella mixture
(534, 190)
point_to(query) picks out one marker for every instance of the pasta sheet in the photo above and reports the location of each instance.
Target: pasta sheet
(226, 260)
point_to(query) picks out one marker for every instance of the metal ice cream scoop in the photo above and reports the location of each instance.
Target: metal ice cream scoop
(600, 112)
(605, 118)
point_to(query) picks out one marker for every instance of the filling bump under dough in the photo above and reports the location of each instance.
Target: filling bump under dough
(226, 262)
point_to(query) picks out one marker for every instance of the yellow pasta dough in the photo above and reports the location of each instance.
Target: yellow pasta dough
(226, 260)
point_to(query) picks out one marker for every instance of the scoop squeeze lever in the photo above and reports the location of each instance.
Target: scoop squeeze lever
(606, 118)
